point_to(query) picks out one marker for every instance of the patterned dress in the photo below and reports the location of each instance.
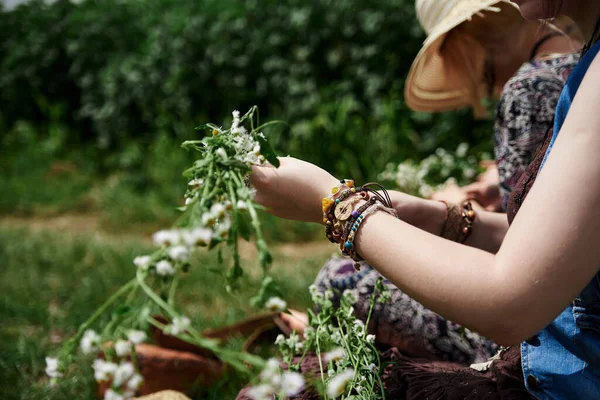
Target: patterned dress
(525, 114)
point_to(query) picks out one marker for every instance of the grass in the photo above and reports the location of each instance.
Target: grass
(51, 280)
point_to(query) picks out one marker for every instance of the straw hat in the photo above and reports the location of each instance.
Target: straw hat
(428, 86)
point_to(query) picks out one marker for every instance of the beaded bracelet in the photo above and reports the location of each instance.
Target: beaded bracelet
(459, 221)
(328, 201)
(340, 211)
(348, 245)
(468, 215)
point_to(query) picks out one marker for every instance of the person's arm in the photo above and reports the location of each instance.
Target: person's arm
(548, 256)
(489, 228)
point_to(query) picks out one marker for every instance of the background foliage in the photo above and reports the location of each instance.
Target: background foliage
(122, 74)
(96, 97)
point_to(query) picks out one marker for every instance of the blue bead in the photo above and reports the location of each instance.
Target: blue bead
(337, 201)
(354, 229)
(348, 245)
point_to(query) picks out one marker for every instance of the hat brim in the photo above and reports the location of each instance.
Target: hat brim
(429, 86)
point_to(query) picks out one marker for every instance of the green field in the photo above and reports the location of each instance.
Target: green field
(54, 273)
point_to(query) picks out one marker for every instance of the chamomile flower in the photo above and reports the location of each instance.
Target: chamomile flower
(123, 348)
(275, 304)
(52, 368)
(164, 268)
(135, 336)
(221, 153)
(112, 395)
(334, 355)
(135, 382)
(197, 237)
(178, 326)
(124, 371)
(337, 385)
(179, 253)
(90, 342)
(280, 339)
(168, 237)
(196, 183)
(292, 383)
(261, 392)
(242, 205)
(142, 262)
(370, 339)
(103, 370)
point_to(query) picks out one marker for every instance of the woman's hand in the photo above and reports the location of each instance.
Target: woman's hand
(294, 190)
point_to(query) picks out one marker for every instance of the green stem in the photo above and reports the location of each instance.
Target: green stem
(320, 361)
(173, 290)
(102, 309)
(260, 240)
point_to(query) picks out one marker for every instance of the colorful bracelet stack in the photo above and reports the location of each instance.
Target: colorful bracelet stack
(342, 221)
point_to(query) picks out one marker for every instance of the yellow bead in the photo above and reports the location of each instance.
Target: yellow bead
(350, 183)
(326, 204)
(353, 190)
(334, 190)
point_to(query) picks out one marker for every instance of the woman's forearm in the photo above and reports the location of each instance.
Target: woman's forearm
(488, 232)
(489, 228)
(456, 281)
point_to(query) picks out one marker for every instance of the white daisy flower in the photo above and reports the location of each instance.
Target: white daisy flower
(334, 355)
(197, 237)
(142, 262)
(242, 205)
(292, 383)
(270, 371)
(90, 342)
(280, 339)
(103, 370)
(164, 268)
(337, 385)
(370, 338)
(359, 327)
(179, 253)
(52, 368)
(123, 372)
(123, 348)
(218, 210)
(196, 183)
(275, 304)
(221, 153)
(350, 296)
(261, 392)
(178, 326)
(136, 337)
(208, 219)
(166, 237)
(135, 382)
(112, 395)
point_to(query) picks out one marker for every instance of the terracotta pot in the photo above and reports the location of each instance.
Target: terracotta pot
(173, 364)
(166, 369)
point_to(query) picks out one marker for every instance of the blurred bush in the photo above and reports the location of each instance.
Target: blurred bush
(123, 71)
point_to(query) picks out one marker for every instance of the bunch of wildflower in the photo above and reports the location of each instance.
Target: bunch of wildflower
(273, 381)
(219, 209)
(435, 172)
(348, 360)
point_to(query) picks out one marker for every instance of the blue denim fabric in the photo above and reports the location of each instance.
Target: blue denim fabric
(563, 360)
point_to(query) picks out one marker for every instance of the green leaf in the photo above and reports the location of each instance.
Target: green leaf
(266, 150)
